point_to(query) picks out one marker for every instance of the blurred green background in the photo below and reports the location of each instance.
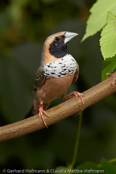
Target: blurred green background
(24, 26)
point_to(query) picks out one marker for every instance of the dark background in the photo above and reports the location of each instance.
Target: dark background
(24, 26)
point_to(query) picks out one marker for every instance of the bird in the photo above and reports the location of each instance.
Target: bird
(57, 71)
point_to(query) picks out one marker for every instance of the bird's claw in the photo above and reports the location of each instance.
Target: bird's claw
(77, 94)
(41, 112)
(81, 97)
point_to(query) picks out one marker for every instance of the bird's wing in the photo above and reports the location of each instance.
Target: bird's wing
(39, 79)
(76, 75)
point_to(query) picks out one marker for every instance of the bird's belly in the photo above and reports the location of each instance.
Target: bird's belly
(56, 87)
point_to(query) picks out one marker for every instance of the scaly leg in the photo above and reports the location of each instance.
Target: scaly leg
(75, 94)
(41, 112)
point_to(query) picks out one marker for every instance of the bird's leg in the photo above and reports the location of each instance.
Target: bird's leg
(75, 94)
(41, 112)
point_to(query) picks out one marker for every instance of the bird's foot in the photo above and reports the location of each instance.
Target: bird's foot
(76, 95)
(41, 112)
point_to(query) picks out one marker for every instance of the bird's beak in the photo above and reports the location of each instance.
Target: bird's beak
(69, 36)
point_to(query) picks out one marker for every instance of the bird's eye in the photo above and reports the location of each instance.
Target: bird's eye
(57, 38)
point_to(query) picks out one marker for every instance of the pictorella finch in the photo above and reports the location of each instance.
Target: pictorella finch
(58, 70)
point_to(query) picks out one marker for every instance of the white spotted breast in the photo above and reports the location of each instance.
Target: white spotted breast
(64, 66)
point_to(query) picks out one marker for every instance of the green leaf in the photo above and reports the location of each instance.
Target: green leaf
(87, 166)
(104, 167)
(108, 37)
(108, 167)
(62, 169)
(109, 65)
(98, 16)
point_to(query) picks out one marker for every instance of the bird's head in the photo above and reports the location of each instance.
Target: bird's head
(55, 46)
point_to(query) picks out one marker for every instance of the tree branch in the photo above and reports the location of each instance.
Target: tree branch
(60, 111)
